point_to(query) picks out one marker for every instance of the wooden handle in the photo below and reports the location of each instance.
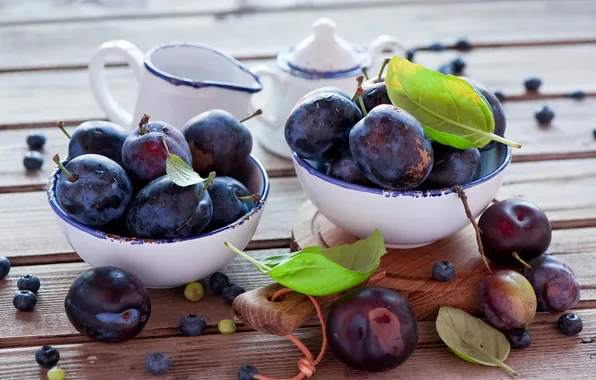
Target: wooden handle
(277, 318)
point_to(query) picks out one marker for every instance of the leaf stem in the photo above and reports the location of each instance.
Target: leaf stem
(503, 140)
(385, 63)
(208, 183)
(365, 72)
(163, 139)
(71, 177)
(464, 200)
(514, 254)
(250, 198)
(256, 113)
(143, 125)
(60, 124)
(359, 79)
(260, 266)
(507, 368)
(359, 94)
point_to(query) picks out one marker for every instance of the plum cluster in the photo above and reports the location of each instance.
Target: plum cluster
(117, 182)
(365, 140)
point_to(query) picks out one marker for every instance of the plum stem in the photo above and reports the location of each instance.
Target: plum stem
(514, 254)
(359, 94)
(71, 177)
(385, 63)
(464, 200)
(208, 183)
(260, 266)
(60, 124)
(256, 113)
(250, 198)
(143, 125)
(365, 72)
(359, 79)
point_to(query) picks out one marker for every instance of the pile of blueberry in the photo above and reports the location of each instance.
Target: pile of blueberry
(116, 181)
(33, 160)
(25, 299)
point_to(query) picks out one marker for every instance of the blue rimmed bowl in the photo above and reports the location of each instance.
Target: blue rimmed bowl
(170, 262)
(407, 219)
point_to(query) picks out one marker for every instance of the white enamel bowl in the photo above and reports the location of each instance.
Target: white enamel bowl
(165, 263)
(407, 219)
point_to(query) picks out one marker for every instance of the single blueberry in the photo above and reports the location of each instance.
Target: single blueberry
(4, 267)
(499, 94)
(158, 363)
(519, 338)
(218, 282)
(443, 271)
(36, 140)
(458, 65)
(247, 372)
(230, 293)
(593, 134)
(410, 55)
(446, 69)
(24, 300)
(33, 160)
(28, 282)
(545, 115)
(436, 46)
(463, 44)
(47, 356)
(192, 325)
(532, 84)
(577, 95)
(570, 324)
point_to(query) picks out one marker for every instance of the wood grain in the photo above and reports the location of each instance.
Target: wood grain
(551, 355)
(28, 227)
(46, 45)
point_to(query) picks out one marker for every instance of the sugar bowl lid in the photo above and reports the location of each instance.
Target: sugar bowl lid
(324, 52)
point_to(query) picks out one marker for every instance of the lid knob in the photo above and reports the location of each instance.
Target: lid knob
(324, 28)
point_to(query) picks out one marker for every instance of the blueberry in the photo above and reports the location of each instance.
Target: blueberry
(158, 363)
(545, 115)
(192, 325)
(532, 84)
(499, 94)
(577, 95)
(593, 134)
(463, 44)
(47, 356)
(410, 54)
(230, 293)
(33, 160)
(458, 65)
(36, 140)
(570, 324)
(4, 267)
(28, 282)
(436, 46)
(24, 300)
(443, 271)
(218, 281)
(247, 372)
(519, 338)
(445, 68)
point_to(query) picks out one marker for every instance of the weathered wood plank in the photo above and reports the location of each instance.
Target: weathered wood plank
(209, 356)
(28, 226)
(47, 45)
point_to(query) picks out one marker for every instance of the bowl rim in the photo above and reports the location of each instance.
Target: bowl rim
(395, 193)
(51, 188)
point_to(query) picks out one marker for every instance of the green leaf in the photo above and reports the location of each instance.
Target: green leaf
(451, 111)
(319, 272)
(180, 172)
(472, 339)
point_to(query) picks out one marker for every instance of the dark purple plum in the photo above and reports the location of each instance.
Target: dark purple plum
(318, 126)
(372, 329)
(231, 201)
(497, 109)
(218, 142)
(375, 93)
(108, 304)
(391, 148)
(453, 166)
(163, 209)
(93, 190)
(347, 170)
(144, 153)
(97, 137)
(514, 225)
(554, 283)
(322, 90)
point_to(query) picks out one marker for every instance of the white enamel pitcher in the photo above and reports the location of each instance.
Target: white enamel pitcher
(176, 82)
(323, 59)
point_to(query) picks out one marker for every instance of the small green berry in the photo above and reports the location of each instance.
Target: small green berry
(56, 374)
(194, 291)
(226, 326)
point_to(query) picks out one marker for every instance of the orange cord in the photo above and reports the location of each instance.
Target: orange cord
(306, 365)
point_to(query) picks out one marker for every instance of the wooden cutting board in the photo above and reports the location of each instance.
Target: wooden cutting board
(408, 271)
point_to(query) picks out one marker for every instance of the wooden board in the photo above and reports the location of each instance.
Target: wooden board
(72, 43)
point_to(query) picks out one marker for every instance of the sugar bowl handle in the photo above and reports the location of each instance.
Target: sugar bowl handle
(384, 43)
(278, 84)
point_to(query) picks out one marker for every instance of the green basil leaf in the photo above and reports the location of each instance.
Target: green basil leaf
(445, 104)
(472, 339)
(180, 172)
(362, 256)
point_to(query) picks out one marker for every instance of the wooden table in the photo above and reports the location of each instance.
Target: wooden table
(45, 46)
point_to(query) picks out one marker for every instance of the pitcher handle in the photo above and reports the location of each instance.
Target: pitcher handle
(278, 84)
(99, 85)
(383, 43)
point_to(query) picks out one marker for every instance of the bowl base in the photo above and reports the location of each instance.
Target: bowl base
(406, 246)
